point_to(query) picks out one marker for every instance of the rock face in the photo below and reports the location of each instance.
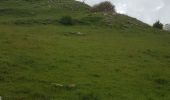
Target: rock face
(167, 27)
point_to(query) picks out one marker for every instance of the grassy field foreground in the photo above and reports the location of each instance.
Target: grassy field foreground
(103, 64)
(114, 58)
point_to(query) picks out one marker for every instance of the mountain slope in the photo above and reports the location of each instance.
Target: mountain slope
(101, 57)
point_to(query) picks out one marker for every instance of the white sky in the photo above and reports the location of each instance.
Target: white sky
(148, 11)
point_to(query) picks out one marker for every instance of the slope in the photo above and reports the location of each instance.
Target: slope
(122, 60)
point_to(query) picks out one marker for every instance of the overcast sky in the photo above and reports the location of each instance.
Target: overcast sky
(148, 11)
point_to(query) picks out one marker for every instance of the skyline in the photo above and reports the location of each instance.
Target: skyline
(144, 10)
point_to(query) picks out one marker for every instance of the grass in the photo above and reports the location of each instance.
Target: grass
(105, 63)
(125, 61)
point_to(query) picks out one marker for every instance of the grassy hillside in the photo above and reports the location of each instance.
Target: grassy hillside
(116, 58)
(39, 9)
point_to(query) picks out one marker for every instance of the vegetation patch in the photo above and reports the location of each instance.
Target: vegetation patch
(35, 22)
(158, 25)
(161, 81)
(93, 20)
(16, 12)
(88, 96)
(67, 20)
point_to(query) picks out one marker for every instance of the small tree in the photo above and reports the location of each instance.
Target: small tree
(106, 7)
(158, 25)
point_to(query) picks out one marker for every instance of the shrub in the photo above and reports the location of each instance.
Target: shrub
(158, 25)
(67, 20)
(105, 7)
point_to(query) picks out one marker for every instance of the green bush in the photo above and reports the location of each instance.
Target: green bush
(67, 20)
(158, 25)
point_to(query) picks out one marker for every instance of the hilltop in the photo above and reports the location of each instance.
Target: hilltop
(100, 57)
(42, 6)
(26, 11)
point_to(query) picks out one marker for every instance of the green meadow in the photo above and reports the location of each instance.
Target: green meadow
(115, 57)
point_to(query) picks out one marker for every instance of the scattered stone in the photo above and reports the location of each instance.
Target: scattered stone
(75, 33)
(57, 85)
(79, 33)
(69, 86)
(72, 85)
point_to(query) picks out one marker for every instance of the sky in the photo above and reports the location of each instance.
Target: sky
(148, 11)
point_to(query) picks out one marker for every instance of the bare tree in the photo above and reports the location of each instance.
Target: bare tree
(84, 1)
(106, 7)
